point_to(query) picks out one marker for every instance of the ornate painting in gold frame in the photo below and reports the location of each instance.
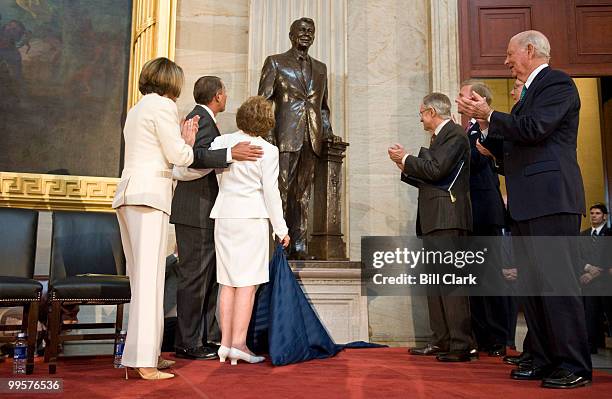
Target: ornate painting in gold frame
(153, 30)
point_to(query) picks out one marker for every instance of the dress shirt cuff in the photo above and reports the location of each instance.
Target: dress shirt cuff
(228, 158)
(404, 159)
(489, 117)
(483, 134)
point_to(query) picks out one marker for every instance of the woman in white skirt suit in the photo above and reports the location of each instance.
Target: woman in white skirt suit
(248, 197)
(154, 141)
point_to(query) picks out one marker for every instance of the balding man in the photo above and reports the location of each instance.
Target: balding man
(545, 198)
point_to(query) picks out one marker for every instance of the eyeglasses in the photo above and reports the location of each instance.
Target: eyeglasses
(426, 109)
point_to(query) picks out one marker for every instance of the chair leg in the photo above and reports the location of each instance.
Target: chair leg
(119, 319)
(32, 334)
(54, 331)
(46, 335)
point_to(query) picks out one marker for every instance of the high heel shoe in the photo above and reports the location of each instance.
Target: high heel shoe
(223, 352)
(236, 354)
(157, 375)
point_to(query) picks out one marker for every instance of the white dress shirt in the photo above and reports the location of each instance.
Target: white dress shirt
(597, 229)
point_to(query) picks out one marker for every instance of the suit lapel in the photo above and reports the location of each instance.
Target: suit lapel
(440, 136)
(298, 69)
(518, 106)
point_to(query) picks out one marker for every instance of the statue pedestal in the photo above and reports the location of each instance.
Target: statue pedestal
(326, 239)
(334, 290)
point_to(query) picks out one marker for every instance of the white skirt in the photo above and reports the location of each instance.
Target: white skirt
(242, 246)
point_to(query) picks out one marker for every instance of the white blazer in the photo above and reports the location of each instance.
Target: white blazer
(153, 143)
(249, 189)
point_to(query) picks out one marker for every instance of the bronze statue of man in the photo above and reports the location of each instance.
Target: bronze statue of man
(297, 84)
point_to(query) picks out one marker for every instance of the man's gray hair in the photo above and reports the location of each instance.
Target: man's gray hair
(537, 39)
(440, 103)
(479, 87)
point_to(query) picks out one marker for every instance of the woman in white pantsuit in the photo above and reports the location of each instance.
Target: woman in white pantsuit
(154, 141)
(248, 197)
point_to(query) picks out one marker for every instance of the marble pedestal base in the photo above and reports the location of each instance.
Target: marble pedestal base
(334, 289)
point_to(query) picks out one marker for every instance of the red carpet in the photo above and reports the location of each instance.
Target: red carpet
(354, 373)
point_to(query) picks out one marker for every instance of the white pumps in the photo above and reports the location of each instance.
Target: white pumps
(223, 352)
(235, 355)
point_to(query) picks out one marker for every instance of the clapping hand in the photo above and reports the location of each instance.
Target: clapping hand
(396, 153)
(189, 128)
(483, 150)
(475, 107)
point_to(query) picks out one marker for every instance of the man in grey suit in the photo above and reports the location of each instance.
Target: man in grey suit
(297, 84)
(196, 301)
(442, 213)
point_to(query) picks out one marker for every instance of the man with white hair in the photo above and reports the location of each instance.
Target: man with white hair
(545, 198)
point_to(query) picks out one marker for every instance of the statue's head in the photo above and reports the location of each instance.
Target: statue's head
(302, 33)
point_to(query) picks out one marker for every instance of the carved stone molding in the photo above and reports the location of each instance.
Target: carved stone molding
(41, 191)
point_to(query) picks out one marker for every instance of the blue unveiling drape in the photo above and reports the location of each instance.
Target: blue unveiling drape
(283, 323)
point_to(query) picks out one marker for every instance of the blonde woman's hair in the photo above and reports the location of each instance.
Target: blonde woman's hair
(255, 116)
(161, 76)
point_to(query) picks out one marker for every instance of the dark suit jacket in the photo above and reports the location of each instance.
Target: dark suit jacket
(487, 202)
(595, 252)
(539, 149)
(193, 200)
(435, 209)
(300, 106)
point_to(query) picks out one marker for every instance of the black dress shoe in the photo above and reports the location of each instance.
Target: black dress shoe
(211, 346)
(497, 350)
(531, 373)
(564, 379)
(427, 350)
(474, 354)
(455, 356)
(515, 360)
(200, 353)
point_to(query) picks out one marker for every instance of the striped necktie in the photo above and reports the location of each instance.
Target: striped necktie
(469, 126)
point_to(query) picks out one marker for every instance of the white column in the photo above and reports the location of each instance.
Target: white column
(444, 26)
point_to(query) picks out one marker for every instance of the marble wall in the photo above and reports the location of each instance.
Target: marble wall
(388, 75)
(212, 38)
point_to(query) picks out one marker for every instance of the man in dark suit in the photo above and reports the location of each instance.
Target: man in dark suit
(442, 213)
(197, 327)
(297, 84)
(489, 313)
(594, 264)
(545, 198)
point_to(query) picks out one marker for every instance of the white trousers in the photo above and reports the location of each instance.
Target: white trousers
(144, 237)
